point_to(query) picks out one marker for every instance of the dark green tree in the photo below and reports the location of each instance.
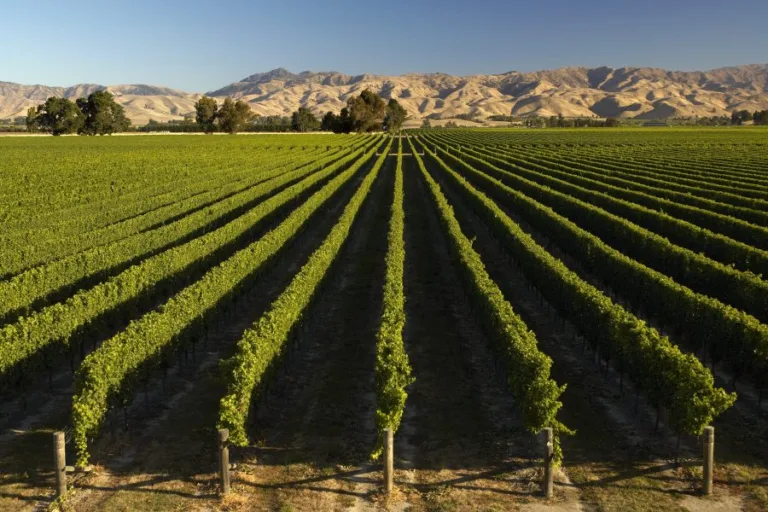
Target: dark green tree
(102, 115)
(233, 115)
(206, 110)
(329, 122)
(58, 116)
(367, 111)
(271, 123)
(740, 116)
(32, 119)
(303, 120)
(426, 124)
(346, 124)
(395, 116)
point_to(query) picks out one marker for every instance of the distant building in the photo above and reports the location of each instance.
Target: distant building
(655, 123)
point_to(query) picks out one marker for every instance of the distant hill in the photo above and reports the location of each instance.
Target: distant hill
(141, 102)
(645, 93)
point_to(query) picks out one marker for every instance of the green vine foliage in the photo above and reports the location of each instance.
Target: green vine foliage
(133, 241)
(717, 208)
(393, 370)
(721, 237)
(528, 368)
(670, 378)
(743, 290)
(94, 202)
(725, 331)
(262, 345)
(652, 178)
(105, 372)
(56, 326)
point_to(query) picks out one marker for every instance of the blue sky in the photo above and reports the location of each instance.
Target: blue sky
(200, 45)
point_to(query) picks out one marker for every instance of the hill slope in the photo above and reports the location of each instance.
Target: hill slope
(624, 92)
(141, 102)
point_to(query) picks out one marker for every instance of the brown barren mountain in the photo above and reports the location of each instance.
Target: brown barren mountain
(645, 93)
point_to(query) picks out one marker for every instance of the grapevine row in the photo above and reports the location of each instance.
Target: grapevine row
(715, 210)
(726, 332)
(716, 217)
(689, 235)
(24, 289)
(670, 378)
(262, 345)
(393, 370)
(181, 319)
(52, 242)
(742, 290)
(58, 324)
(528, 369)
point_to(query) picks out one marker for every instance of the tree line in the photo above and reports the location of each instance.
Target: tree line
(363, 114)
(759, 117)
(737, 118)
(98, 114)
(230, 117)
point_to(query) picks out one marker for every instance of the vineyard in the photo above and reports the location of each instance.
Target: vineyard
(466, 289)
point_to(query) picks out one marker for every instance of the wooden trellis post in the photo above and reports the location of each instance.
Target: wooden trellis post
(224, 477)
(549, 455)
(60, 463)
(389, 460)
(709, 459)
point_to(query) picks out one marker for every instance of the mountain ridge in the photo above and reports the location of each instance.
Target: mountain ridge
(642, 92)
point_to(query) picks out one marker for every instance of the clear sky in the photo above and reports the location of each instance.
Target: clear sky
(199, 45)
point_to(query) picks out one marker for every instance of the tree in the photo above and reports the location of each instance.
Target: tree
(760, 117)
(58, 116)
(740, 116)
(102, 115)
(426, 124)
(395, 116)
(206, 110)
(345, 122)
(233, 115)
(611, 122)
(303, 120)
(272, 123)
(330, 122)
(32, 119)
(367, 111)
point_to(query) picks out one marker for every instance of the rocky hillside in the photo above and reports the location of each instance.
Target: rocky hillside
(646, 93)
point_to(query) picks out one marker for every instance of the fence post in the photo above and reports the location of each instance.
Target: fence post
(709, 459)
(223, 437)
(549, 447)
(60, 463)
(389, 460)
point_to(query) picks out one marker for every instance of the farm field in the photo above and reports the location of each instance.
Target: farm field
(466, 287)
